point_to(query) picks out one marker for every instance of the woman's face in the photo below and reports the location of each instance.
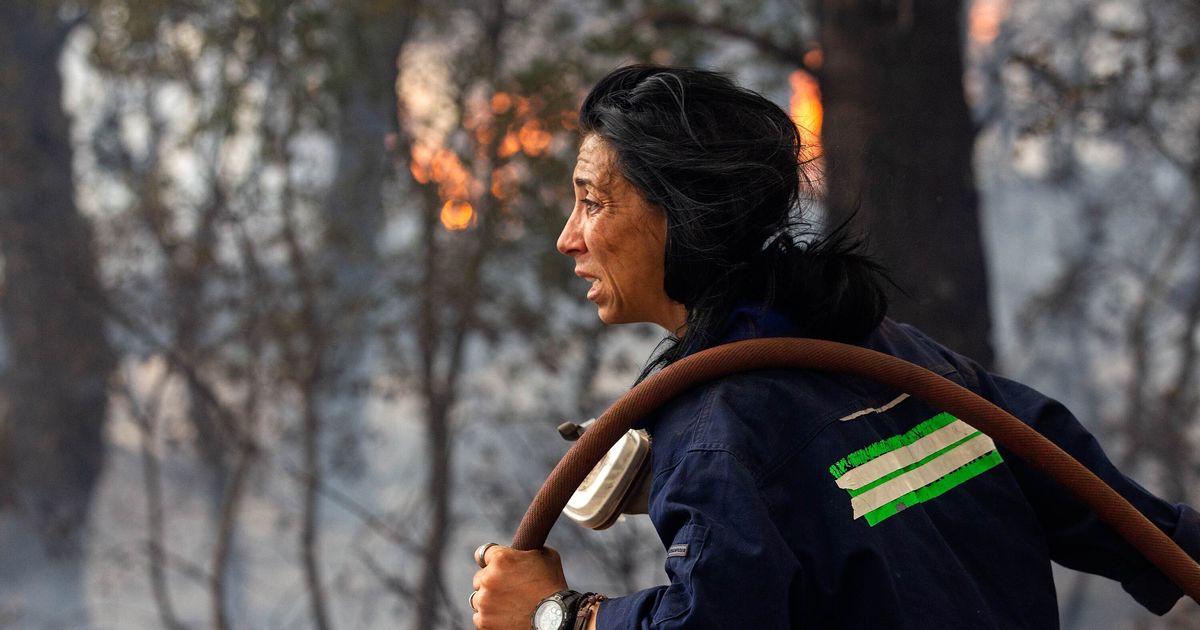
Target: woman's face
(618, 241)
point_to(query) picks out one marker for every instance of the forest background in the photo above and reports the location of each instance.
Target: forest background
(283, 333)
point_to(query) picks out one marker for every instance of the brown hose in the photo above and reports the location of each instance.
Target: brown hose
(764, 354)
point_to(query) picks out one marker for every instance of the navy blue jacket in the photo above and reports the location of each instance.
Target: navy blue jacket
(789, 499)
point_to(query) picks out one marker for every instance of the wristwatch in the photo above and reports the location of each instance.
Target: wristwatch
(558, 611)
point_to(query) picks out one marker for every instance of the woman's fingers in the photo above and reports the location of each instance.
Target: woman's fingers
(511, 584)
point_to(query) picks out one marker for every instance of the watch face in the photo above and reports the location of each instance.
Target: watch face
(549, 616)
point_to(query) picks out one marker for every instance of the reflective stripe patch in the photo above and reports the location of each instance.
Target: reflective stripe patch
(905, 456)
(921, 464)
(866, 454)
(677, 551)
(936, 489)
(922, 476)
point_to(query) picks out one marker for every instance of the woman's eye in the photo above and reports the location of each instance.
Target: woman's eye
(590, 206)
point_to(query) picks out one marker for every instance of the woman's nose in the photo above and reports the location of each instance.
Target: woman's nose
(570, 241)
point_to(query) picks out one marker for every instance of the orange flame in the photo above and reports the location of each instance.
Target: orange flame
(534, 141)
(513, 116)
(805, 106)
(484, 134)
(501, 102)
(418, 165)
(457, 215)
(983, 22)
(813, 59)
(455, 183)
(509, 146)
(500, 184)
(523, 106)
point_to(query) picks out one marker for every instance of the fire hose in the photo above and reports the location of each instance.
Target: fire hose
(812, 354)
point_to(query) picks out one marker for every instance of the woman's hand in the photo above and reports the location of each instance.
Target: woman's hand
(511, 584)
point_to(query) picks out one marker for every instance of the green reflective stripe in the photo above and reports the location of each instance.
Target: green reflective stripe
(921, 464)
(864, 474)
(901, 471)
(871, 451)
(965, 473)
(921, 477)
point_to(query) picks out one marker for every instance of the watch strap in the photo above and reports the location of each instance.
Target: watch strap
(587, 608)
(570, 601)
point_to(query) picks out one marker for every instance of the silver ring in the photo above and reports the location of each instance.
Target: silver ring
(481, 551)
(471, 600)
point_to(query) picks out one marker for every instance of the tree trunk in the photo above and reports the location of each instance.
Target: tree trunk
(437, 490)
(353, 214)
(58, 358)
(898, 140)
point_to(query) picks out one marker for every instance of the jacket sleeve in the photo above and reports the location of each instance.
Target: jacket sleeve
(1077, 538)
(728, 565)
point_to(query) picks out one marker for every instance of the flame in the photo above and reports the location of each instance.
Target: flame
(984, 19)
(523, 106)
(499, 185)
(443, 167)
(512, 118)
(805, 106)
(534, 141)
(418, 165)
(813, 59)
(484, 134)
(509, 146)
(457, 215)
(454, 181)
(501, 102)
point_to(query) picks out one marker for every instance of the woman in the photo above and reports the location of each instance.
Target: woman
(790, 499)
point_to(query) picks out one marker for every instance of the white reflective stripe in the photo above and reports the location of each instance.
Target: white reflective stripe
(869, 410)
(860, 476)
(920, 477)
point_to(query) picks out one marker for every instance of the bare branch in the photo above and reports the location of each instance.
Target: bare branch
(395, 584)
(226, 525)
(146, 418)
(308, 363)
(369, 519)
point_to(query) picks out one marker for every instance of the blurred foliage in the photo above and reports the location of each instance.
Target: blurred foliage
(1118, 128)
(301, 327)
(307, 209)
(1096, 102)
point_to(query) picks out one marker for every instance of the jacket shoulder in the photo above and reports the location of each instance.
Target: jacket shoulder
(759, 417)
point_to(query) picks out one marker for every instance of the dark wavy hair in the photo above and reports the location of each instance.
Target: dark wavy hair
(724, 164)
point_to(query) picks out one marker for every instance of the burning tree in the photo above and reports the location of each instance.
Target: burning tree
(284, 242)
(896, 141)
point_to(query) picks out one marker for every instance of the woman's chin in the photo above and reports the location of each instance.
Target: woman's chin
(613, 316)
(610, 315)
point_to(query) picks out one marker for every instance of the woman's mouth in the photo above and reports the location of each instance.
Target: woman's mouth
(594, 290)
